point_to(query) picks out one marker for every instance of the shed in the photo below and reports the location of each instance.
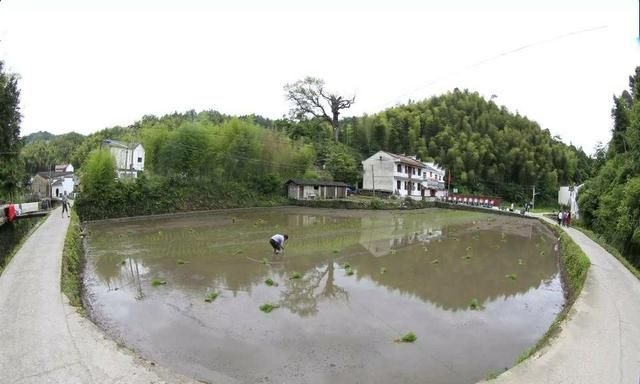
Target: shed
(315, 189)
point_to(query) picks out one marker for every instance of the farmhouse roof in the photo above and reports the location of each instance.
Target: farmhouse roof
(317, 182)
(407, 160)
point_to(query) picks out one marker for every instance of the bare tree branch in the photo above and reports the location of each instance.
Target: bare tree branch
(309, 98)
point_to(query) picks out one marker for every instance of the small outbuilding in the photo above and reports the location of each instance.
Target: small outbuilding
(315, 189)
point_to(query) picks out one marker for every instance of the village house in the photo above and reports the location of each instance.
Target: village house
(315, 189)
(403, 176)
(433, 181)
(129, 157)
(58, 183)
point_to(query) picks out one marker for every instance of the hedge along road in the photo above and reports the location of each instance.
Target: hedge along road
(45, 340)
(600, 340)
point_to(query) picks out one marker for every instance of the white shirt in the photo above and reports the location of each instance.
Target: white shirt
(278, 239)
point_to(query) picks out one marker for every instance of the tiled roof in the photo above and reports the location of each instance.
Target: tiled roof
(407, 160)
(317, 182)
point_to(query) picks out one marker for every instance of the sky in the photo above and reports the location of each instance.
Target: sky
(89, 65)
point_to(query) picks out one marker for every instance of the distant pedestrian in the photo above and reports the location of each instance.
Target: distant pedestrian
(568, 219)
(564, 218)
(65, 205)
(277, 242)
(559, 217)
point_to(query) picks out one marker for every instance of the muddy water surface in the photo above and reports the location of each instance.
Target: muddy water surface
(415, 271)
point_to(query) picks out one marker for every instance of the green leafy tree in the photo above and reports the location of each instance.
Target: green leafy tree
(11, 172)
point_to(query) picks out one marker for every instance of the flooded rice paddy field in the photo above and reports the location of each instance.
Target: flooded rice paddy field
(420, 271)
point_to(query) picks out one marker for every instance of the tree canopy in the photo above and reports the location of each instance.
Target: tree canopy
(10, 167)
(610, 201)
(310, 98)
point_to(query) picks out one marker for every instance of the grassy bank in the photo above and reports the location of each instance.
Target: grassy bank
(13, 235)
(72, 262)
(574, 265)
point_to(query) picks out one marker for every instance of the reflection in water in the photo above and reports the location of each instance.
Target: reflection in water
(413, 271)
(301, 296)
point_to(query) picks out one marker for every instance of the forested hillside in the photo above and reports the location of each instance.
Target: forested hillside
(487, 148)
(610, 201)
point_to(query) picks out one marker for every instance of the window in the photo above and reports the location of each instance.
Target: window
(430, 174)
(406, 186)
(398, 184)
(399, 169)
(139, 159)
(419, 172)
(413, 171)
(316, 187)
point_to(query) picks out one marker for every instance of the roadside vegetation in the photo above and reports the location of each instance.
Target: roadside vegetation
(610, 201)
(603, 243)
(13, 235)
(73, 263)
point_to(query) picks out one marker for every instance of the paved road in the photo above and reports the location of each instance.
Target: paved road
(600, 341)
(43, 339)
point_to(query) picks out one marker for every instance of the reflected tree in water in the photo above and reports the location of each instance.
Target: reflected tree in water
(301, 296)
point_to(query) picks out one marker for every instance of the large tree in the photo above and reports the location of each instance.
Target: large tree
(310, 98)
(10, 169)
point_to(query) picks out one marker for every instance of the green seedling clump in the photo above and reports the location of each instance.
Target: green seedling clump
(211, 296)
(436, 261)
(511, 276)
(467, 257)
(349, 272)
(346, 265)
(408, 338)
(157, 282)
(295, 275)
(181, 262)
(267, 308)
(270, 282)
(475, 305)
(336, 251)
(383, 270)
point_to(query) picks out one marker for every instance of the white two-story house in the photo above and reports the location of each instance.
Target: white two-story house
(433, 181)
(393, 174)
(129, 157)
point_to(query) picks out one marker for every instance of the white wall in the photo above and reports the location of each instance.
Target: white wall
(383, 170)
(138, 154)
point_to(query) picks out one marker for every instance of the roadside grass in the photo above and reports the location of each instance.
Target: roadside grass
(16, 247)
(609, 248)
(72, 263)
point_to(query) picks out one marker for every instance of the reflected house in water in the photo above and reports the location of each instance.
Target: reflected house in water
(380, 240)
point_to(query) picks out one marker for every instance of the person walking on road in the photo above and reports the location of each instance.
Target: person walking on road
(65, 206)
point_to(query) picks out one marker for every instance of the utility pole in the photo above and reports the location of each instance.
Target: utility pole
(533, 198)
(373, 181)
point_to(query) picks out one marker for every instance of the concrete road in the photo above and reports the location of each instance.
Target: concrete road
(43, 339)
(600, 341)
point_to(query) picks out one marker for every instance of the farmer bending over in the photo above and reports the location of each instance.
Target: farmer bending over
(277, 242)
